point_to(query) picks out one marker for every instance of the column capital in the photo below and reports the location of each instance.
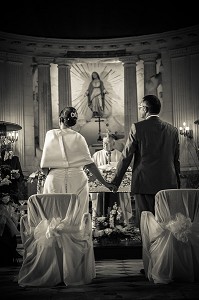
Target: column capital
(43, 61)
(133, 59)
(149, 57)
(63, 62)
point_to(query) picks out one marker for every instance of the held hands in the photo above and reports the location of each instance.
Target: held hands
(114, 189)
(111, 187)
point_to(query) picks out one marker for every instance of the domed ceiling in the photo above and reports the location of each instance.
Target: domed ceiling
(94, 19)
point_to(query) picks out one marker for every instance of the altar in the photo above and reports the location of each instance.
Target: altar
(108, 172)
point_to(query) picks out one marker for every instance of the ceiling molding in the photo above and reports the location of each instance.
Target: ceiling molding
(99, 48)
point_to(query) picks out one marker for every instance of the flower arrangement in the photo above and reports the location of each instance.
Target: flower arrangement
(5, 178)
(7, 206)
(5, 144)
(112, 229)
(40, 177)
(5, 181)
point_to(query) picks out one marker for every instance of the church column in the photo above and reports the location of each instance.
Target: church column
(167, 101)
(149, 71)
(130, 92)
(28, 126)
(44, 98)
(64, 83)
(12, 104)
(3, 86)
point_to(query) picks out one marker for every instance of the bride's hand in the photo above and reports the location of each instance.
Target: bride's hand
(111, 187)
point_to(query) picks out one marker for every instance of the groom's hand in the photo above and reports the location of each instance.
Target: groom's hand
(113, 188)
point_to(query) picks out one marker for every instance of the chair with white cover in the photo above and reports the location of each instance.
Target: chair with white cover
(170, 239)
(57, 242)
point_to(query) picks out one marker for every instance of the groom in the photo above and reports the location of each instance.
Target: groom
(154, 146)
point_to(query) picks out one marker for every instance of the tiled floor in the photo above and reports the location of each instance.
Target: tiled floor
(116, 279)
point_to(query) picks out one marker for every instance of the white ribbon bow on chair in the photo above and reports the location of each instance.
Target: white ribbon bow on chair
(180, 227)
(46, 233)
(54, 229)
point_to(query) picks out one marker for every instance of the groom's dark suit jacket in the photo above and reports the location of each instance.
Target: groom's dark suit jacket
(153, 148)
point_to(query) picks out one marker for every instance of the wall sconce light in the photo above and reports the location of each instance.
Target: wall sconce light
(186, 131)
(196, 122)
(8, 134)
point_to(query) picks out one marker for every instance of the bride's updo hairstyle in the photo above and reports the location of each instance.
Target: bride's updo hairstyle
(68, 116)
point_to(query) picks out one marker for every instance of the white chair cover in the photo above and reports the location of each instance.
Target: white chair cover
(57, 241)
(170, 239)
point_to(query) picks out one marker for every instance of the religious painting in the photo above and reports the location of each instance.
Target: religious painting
(98, 95)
